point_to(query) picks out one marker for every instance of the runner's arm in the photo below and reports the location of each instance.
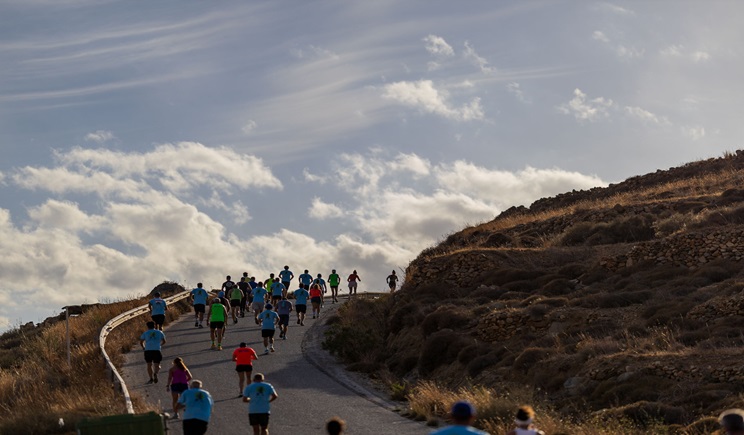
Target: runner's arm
(273, 397)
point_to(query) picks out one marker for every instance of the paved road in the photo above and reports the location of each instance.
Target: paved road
(311, 385)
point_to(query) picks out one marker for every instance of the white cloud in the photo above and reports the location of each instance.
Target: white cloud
(615, 9)
(99, 136)
(682, 52)
(600, 36)
(424, 96)
(644, 115)
(411, 164)
(586, 110)
(515, 89)
(249, 127)
(694, 132)
(64, 215)
(323, 210)
(477, 60)
(437, 46)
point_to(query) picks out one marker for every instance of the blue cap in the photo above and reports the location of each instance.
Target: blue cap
(462, 410)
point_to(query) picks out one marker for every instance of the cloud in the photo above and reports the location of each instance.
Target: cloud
(424, 96)
(477, 60)
(99, 136)
(249, 127)
(615, 9)
(515, 89)
(645, 115)
(622, 51)
(323, 210)
(437, 46)
(586, 110)
(682, 52)
(694, 132)
(411, 164)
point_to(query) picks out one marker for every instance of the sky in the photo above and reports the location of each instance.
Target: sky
(188, 140)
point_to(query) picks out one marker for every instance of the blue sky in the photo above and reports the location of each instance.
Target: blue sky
(187, 140)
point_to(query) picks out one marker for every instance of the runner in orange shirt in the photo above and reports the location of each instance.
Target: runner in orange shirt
(244, 357)
(316, 298)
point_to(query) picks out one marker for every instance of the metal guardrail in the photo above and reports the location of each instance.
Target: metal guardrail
(113, 323)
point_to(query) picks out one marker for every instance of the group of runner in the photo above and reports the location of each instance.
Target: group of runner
(269, 302)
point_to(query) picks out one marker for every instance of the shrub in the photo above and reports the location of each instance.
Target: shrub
(482, 362)
(445, 317)
(646, 413)
(530, 357)
(557, 287)
(439, 349)
(624, 230)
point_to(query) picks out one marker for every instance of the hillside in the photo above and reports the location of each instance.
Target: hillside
(623, 301)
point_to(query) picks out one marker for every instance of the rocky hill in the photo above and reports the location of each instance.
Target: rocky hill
(626, 299)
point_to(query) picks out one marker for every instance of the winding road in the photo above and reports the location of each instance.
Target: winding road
(311, 385)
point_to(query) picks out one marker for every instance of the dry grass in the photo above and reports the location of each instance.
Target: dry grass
(40, 390)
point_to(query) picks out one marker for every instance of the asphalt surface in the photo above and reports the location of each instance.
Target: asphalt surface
(312, 387)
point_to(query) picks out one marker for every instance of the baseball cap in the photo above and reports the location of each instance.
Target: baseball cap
(462, 409)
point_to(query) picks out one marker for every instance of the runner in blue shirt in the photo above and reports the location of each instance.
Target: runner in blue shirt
(152, 341)
(157, 310)
(306, 279)
(463, 416)
(259, 395)
(283, 309)
(286, 276)
(198, 408)
(268, 319)
(259, 299)
(199, 299)
(301, 296)
(277, 291)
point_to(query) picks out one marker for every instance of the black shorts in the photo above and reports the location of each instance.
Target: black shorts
(200, 308)
(217, 325)
(334, 287)
(284, 319)
(234, 302)
(276, 298)
(301, 309)
(194, 426)
(179, 388)
(267, 333)
(259, 419)
(153, 356)
(159, 319)
(392, 285)
(243, 368)
(315, 300)
(286, 284)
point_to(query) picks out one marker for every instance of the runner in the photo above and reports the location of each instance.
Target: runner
(158, 307)
(286, 276)
(277, 291)
(352, 280)
(334, 280)
(178, 382)
(259, 395)
(244, 357)
(217, 316)
(246, 289)
(236, 294)
(316, 298)
(152, 341)
(227, 285)
(269, 282)
(268, 319)
(523, 420)
(284, 309)
(199, 299)
(259, 299)
(301, 296)
(198, 408)
(463, 415)
(306, 279)
(392, 281)
(321, 282)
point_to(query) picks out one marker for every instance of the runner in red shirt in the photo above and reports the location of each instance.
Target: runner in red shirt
(244, 357)
(316, 298)
(352, 280)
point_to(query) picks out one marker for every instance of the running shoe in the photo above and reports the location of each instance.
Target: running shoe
(284, 337)
(219, 347)
(150, 381)
(155, 378)
(235, 321)
(298, 321)
(201, 326)
(196, 325)
(302, 323)
(213, 347)
(266, 352)
(272, 349)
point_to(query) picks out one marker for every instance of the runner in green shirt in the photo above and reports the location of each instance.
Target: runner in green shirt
(217, 316)
(333, 281)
